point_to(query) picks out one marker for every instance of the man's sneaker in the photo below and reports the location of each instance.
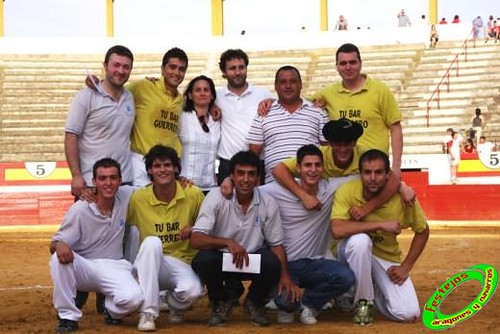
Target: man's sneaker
(221, 310)
(285, 317)
(344, 303)
(256, 312)
(176, 316)
(146, 323)
(66, 326)
(328, 305)
(81, 298)
(364, 313)
(163, 305)
(271, 305)
(109, 320)
(99, 302)
(308, 315)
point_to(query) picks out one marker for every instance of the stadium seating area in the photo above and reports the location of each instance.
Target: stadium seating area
(35, 90)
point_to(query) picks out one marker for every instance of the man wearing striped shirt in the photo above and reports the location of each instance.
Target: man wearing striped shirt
(291, 122)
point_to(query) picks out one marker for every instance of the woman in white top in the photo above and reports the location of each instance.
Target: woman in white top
(199, 133)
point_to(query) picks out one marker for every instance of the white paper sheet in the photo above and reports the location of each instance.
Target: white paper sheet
(253, 264)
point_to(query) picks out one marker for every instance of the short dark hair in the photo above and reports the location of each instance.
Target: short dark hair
(162, 152)
(246, 158)
(478, 111)
(286, 68)
(106, 163)
(374, 154)
(188, 102)
(174, 53)
(347, 48)
(232, 54)
(119, 50)
(309, 149)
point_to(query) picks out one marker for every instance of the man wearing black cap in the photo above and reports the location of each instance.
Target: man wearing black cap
(341, 158)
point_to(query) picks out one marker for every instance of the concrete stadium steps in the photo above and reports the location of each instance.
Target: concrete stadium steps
(36, 90)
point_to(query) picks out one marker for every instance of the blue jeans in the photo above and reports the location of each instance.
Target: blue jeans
(321, 279)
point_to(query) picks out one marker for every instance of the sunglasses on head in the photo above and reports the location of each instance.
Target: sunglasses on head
(204, 125)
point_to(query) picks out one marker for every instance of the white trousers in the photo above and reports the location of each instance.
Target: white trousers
(141, 177)
(113, 278)
(396, 302)
(159, 272)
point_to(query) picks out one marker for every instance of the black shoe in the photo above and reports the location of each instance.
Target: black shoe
(99, 302)
(108, 319)
(221, 310)
(257, 313)
(66, 326)
(81, 298)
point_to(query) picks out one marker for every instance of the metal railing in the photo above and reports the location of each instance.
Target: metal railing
(445, 79)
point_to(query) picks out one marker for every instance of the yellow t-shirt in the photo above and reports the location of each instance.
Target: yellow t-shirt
(165, 220)
(329, 167)
(385, 245)
(157, 116)
(373, 106)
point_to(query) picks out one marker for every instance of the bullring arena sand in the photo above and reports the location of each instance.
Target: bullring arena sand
(26, 289)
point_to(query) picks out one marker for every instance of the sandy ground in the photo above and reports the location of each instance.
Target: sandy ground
(26, 289)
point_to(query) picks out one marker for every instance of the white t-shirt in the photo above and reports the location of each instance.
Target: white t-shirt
(238, 113)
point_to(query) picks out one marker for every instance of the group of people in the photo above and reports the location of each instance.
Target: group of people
(455, 145)
(309, 209)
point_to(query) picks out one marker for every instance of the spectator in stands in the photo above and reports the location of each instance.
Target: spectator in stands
(238, 102)
(488, 29)
(199, 133)
(364, 100)
(485, 146)
(454, 154)
(434, 37)
(341, 24)
(469, 146)
(477, 123)
(477, 25)
(447, 140)
(290, 123)
(98, 126)
(403, 19)
(443, 21)
(456, 19)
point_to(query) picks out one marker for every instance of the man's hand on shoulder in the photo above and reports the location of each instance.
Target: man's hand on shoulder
(226, 188)
(264, 106)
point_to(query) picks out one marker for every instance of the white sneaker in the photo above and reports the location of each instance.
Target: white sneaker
(176, 316)
(146, 323)
(271, 305)
(285, 317)
(308, 315)
(163, 305)
(328, 305)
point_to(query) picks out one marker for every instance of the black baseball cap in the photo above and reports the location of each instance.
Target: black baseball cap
(342, 130)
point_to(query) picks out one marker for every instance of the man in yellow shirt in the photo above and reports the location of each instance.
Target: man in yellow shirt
(164, 213)
(370, 247)
(158, 105)
(366, 101)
